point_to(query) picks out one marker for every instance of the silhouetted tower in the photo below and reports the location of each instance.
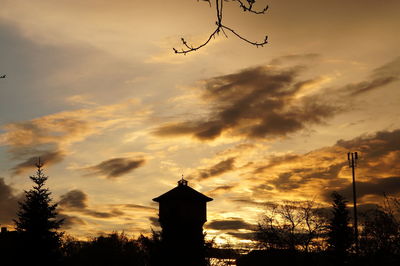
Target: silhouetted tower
(352, 158)
(182, 213)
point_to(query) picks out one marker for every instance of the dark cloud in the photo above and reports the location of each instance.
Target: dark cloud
(372, 84)
(378, 187)
(138, 207)
(379, 154)
(8, 203)
(298, 177)
(101, 214)
(47, 157)
(70, 221)
(375, 145)
(266, 102)
(217, 169)
(244, 236)
(390, 69)
(229, 224)
(331, 171)
(221, 189)
(285, 182)
(380, 77)
(249, 201)
(154, 221)
(116, 167)
(258, 102)
(74, 199)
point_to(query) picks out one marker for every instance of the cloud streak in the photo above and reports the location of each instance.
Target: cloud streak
(221, 189)
(216, 169)
(380, 77)
(116, 167)
(47, 157)
(77, 201)
(229, 224)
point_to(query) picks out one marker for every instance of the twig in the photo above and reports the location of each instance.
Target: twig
(250, 7)
(220, 27)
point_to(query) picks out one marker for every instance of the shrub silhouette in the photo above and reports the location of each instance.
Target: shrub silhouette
(110, 250)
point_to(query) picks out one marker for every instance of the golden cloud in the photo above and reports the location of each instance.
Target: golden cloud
(50, 136)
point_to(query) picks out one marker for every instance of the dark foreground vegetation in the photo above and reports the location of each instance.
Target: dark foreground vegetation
(301, 233)
(290, 233)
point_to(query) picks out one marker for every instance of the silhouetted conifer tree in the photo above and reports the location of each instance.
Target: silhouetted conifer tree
(339, 232)
(37, 224)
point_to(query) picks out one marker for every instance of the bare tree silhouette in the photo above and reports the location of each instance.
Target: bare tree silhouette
(380, 235)
(220, 27)
(291, 225)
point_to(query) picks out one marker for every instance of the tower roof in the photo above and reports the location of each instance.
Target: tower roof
(182, 192)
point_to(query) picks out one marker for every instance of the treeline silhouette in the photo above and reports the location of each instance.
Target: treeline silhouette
(290, 233)
(112, 249)
(303, 233)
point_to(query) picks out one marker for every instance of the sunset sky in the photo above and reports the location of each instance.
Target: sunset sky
(94, 88)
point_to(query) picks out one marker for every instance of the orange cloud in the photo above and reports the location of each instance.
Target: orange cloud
(319, 172)
(50, 136)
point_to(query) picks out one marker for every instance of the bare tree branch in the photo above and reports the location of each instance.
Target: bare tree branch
(220, 27)
(249, 8)
(291, 225)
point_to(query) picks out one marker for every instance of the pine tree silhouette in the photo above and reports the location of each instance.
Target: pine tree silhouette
(37, 224)
(339, 232)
